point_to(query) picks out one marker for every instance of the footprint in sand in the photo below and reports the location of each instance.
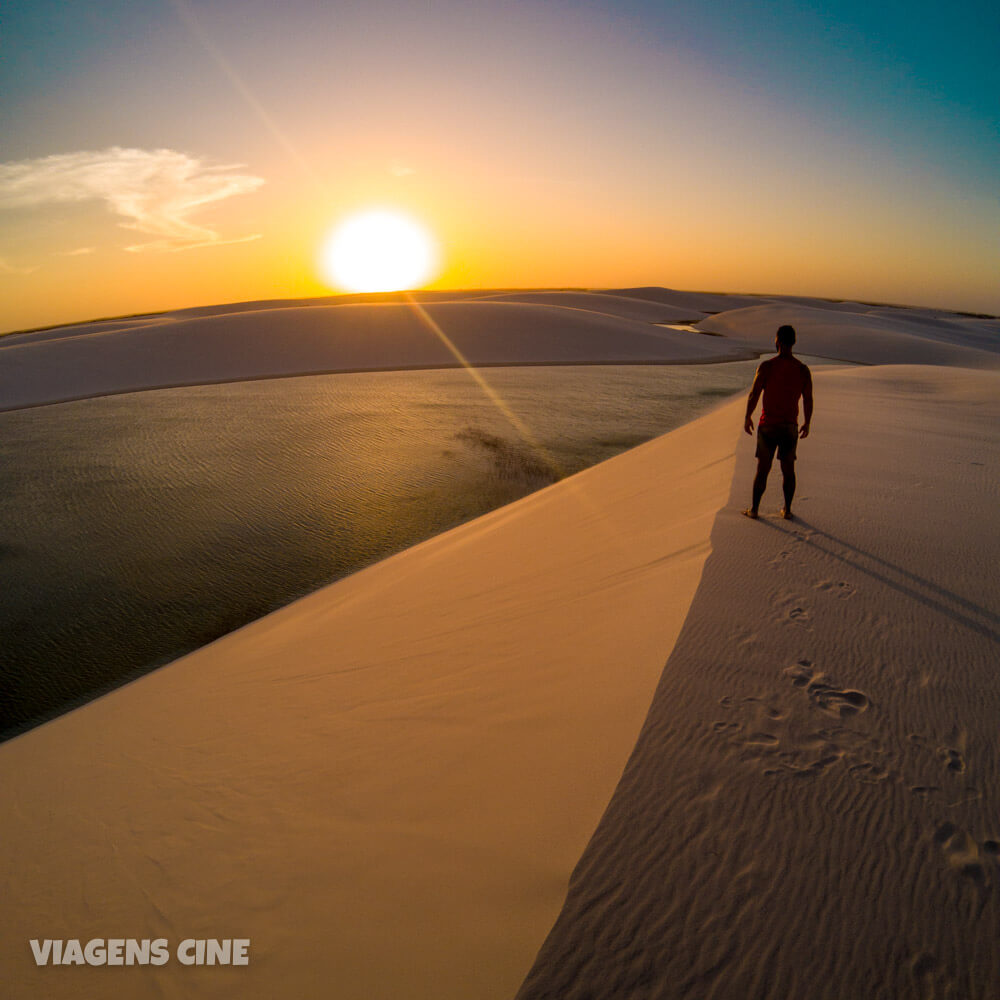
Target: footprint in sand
(839, 702)
(962, 853)
(744, 636)
(951, 759)
(837, 588)
(870, 773)
(760, 740)
(790, 609)
(951, 751)
(923, 965)
(770, 735)
(798, 615)
(801, 673)
(950, 755)
(752, 732)
(779, 731)
(930, 977)
(780, 559)
(722, 727)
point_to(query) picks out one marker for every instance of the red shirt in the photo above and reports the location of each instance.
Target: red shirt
(785, 379)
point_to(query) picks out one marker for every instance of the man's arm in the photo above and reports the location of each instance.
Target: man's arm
(755, 390)
(807, 403)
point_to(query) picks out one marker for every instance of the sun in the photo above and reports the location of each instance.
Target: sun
(379, 250)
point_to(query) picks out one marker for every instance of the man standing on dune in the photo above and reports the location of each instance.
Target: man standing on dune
(783, 380)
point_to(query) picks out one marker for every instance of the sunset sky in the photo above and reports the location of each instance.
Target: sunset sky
(165, 153)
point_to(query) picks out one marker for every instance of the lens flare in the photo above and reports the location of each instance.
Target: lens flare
(380, 250)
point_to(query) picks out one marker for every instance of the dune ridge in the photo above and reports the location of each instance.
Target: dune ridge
(812, 808)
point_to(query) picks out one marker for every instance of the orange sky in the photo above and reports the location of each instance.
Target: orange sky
(206, 160)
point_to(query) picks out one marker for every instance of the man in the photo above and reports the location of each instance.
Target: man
(783, 380)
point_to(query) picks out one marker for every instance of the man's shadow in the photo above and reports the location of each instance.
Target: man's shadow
(930, 594)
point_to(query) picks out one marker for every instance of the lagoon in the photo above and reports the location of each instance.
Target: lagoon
(139, 527)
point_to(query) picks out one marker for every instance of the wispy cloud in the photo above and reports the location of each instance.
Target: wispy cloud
(8, 268)
(79, 252)
(157, 190)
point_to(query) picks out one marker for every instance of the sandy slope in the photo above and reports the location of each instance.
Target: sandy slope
(308, 336)
(612, 305)
(880, 337)
(692, 303)
(813, 808)
(385, 785)
(102, 358)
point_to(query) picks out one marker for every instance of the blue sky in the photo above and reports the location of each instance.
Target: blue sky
(920, 74)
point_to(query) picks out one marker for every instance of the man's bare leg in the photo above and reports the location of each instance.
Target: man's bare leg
(759, 485)
(787, 486)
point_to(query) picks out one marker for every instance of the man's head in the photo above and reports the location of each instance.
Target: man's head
(784, 338)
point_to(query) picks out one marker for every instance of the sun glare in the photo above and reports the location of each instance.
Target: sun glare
(378, 251)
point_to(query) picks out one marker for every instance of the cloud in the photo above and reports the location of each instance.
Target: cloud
(8, 268)
(155, 190)
(401, 170)
(79, 252)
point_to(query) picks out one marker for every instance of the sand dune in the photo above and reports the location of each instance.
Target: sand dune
(693, 303)
(354, 298)
(714, 303)
(812, 809)
(386, 784)
(886, 337)
(260, 305)
(107, 358)
(969, 331)
(75, 330)
(612, 305)
(313, 336)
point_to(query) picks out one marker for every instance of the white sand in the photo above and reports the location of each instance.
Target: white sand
(813, 808)
(608, 304)
(691, 303)
(879, 337)
(299, 337)
(102, 358)
(386, 785)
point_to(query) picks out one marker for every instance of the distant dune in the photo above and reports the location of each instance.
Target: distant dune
(109, 357)
(609, 304)
(299, 337)
(692, 302)
(879, 337)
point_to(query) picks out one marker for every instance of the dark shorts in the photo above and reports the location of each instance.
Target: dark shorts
(784, 437)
